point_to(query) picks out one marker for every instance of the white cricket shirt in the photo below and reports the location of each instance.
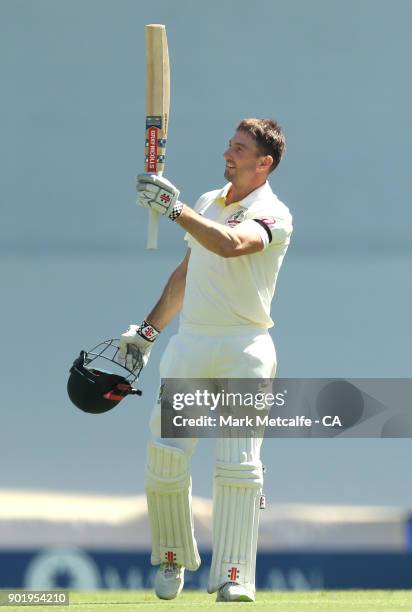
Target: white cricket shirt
(231, 295)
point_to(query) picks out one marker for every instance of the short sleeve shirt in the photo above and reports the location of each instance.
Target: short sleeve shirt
(225, 295)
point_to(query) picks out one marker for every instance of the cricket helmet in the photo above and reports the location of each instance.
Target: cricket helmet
(94, 390)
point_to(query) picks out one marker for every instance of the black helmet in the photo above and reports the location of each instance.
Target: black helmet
(94, 390)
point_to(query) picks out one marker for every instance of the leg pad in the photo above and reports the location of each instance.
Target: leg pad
(236, 504)
(168, 489)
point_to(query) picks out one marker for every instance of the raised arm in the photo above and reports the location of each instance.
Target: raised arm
(244, 239)
(159, 194)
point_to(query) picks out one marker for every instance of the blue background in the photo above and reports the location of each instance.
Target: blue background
(74, 269)
(286, 571)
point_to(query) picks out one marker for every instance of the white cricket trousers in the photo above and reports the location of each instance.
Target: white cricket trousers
(238, 474)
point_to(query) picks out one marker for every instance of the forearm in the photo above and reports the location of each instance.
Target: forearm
(159, 194)
(213, 236)
(170, 302)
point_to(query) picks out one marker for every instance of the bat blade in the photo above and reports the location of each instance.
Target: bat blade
(157, 110)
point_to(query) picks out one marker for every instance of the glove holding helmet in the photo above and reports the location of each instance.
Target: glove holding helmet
(94, 389)
(135, 345)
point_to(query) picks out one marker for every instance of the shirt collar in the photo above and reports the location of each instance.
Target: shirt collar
(260, 193)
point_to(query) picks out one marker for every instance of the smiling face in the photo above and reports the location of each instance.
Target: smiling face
(244, 163)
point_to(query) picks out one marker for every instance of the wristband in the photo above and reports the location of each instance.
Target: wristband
(176, 210)
(148, 331)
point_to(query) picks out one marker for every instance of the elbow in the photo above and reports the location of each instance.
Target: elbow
(226, 253)
(229, 245)
(222, 251)
(227, 250)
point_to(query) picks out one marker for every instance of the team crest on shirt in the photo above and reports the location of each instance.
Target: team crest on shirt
(236, 218)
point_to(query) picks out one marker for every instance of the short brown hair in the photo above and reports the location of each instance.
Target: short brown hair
(268, 135)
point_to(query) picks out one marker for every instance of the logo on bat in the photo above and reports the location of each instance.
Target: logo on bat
(152, 144)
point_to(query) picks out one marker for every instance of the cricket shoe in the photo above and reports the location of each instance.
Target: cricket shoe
(231, 591)
(169, 580)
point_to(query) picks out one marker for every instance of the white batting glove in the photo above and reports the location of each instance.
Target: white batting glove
(159, 194)
(135, 345)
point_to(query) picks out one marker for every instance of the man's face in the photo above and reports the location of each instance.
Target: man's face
(243, 161)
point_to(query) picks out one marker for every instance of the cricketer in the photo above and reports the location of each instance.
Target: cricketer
(237, 237)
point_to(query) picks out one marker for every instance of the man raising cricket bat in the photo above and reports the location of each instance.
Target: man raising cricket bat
(237, 237)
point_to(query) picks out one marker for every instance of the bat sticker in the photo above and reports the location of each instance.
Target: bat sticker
(153, 122)
(152, 153)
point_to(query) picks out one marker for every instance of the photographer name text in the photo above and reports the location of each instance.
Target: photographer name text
(257, 420)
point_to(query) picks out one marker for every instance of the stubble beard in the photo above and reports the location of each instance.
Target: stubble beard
(229, 175)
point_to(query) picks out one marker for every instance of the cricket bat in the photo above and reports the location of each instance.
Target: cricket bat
(157, 110)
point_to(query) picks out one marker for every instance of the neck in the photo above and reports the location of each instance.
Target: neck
(237, 192)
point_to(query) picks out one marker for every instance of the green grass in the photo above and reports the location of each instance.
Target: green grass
(128, 601)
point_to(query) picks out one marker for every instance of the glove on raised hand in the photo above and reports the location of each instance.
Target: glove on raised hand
(158, 194)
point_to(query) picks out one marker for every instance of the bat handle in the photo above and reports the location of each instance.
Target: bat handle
(152, 229)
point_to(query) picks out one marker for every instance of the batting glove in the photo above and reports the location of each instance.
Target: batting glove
(135, 345)
(159, 194)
